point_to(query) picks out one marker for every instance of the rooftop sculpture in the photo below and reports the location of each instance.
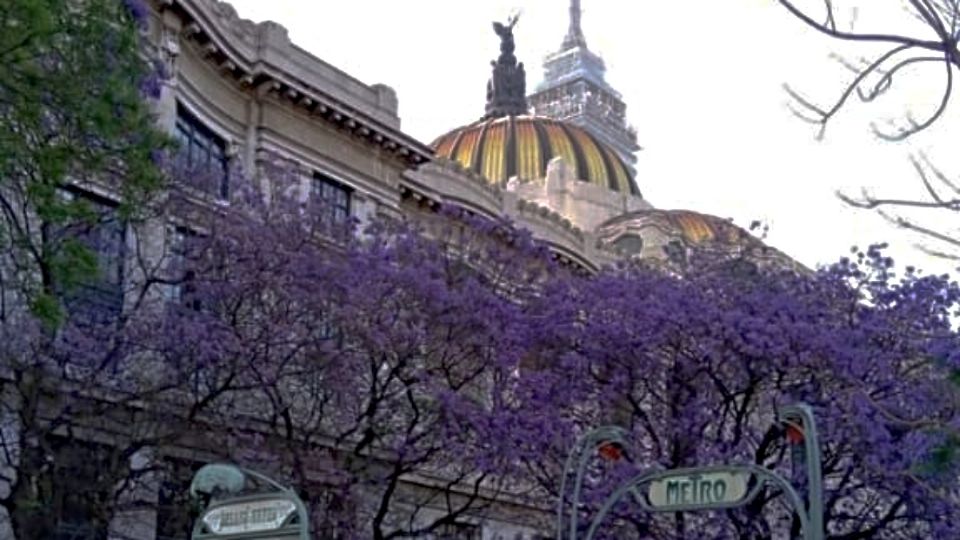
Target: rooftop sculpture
(507, 87)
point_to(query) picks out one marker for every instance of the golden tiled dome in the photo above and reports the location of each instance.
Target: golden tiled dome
(501, 148)
(654, 234)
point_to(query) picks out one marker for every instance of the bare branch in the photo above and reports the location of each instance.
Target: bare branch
(870, 203)
(850, 36)
(800, 113)
(929, 15)
(954, 10)
(937, 253)
(934, 182)
(920, 163)
(915, 127)
(940, 175)
(825, 116)
(909, 225)
(926, 184)
(850, 65)
(941, 17)
(831, 22)
(886, 80)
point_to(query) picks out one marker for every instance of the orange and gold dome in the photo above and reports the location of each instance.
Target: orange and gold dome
(500, 148)
(692, 227)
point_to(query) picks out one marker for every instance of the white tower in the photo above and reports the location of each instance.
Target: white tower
(574, 90)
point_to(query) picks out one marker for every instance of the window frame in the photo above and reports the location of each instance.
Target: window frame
(107, 288)
(334, 197)
(194, 134)
(73, 512)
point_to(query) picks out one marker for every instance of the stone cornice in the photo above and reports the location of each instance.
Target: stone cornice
(260, 56)
(446, 181)
(569, 243)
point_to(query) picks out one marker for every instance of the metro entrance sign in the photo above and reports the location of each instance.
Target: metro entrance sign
(235, 513)
(709, 488)
(698, 489)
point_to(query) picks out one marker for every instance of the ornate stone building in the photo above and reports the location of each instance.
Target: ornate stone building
(240, 93)
(561, 164)
(245, 91)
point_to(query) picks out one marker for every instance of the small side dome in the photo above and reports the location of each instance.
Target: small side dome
(521, 146)
(693, 228)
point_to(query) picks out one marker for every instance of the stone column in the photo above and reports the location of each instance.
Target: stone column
(167, 51)
(251, 143)
(363, 209)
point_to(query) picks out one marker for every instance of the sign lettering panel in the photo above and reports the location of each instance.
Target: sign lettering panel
(698, 489)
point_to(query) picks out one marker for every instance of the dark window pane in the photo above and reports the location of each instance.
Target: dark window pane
(98, 298)
(202, 157)
(73, 491)
(332, 198)
(458, 531)
(224, 179)
(182, 246)
(630, 243)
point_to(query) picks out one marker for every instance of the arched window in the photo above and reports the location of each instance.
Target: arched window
(629, 243)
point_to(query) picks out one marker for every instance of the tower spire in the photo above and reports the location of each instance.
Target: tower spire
(574, 37)
(574, 90)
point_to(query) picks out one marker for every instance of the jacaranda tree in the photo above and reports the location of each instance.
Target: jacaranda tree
(402, 376)
(696, 367)
(370, 363)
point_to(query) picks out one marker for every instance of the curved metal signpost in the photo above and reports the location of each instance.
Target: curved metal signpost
(714, 487)
(702, 488)
(602, 435)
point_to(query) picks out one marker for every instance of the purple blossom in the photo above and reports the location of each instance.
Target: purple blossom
(138, 11)
(151, 83)
(345, 361)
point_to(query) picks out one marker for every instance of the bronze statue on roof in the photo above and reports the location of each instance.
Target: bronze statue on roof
(505, 31)
(507, 87)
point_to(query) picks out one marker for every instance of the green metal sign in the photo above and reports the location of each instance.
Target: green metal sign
(726, 486)
(694, 487)
(278, 514)
(706, 488)
(250, 517)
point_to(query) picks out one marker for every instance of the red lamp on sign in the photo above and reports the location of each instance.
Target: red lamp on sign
(794, 434)
(610, 450)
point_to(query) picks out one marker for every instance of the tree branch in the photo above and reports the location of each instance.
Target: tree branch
(915, 127)
(863, 74)
(850, 36)
(886, 81)
(904, 223)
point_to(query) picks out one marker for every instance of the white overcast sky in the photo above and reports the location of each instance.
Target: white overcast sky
(702, 80)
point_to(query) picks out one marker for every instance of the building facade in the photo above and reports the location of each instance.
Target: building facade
(250, 93)
(241, 98)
